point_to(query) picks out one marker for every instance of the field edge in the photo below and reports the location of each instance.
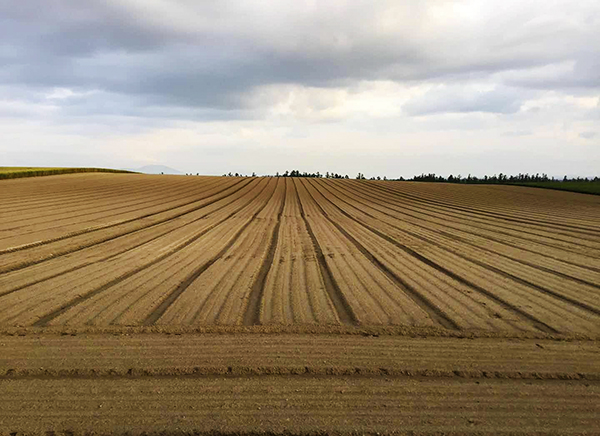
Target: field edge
(40, 172)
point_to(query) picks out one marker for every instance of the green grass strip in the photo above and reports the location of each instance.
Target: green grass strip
(19, 172)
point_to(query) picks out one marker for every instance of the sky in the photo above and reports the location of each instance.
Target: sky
(384, 88)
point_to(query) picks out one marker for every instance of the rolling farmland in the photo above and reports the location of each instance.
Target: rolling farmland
(232, 305)
(101, 250)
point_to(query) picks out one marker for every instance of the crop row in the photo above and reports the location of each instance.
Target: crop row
(142, 250)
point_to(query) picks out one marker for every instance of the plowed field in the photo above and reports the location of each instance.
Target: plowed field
(315, 260)
(126, 250)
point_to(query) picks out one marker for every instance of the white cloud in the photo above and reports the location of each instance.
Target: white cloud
(457, 99)
(345, 84)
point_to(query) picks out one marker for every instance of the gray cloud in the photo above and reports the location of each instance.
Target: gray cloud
(208, 54)
(464, 99)
(141, 81)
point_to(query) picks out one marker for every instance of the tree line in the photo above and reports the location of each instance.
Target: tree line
(499, 178)
(295, 173)
(432, 177)
(317, 175)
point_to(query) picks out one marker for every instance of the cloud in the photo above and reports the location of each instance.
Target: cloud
(81, 75)
(209, 54)
(517, 133)
(569, 75)
(465, 99)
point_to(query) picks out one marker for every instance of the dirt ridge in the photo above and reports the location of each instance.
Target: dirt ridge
(258, 371)
(390, 206)
(508, 218)
(106, 226)
(54, 314)
(343, 308)
(252, 312)
(485, 265)
(340, 256)
(435, 312)
(167, 302)
(539, 324)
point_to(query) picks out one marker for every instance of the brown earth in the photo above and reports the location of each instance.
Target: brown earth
(315, 288)
(297, 384)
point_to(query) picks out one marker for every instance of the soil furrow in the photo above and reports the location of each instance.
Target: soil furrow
(521, 261)
(131, 301)
(273, 371)
(152, 195)
(525, 282)
(508, 218)
(342, 307)
(294, 289)
(301, 406)
(423, 302)
(507, 305)
(53, 355)
(114, 224)
(113, 237)
(173, 296)
(557, 242)
(252, 313)
(220, 294)
(462, 240)
(121, 252)
(110, 254)
(403, 211)
(489, 267)
(56, 313)
(112, 187)
(488, 217)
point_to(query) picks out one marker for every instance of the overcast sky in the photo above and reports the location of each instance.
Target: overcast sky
(382, 87)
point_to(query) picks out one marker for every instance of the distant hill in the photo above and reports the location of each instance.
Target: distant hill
(157, 169)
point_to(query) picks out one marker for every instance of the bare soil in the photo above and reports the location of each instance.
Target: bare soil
(296, 384)
(148, 304)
